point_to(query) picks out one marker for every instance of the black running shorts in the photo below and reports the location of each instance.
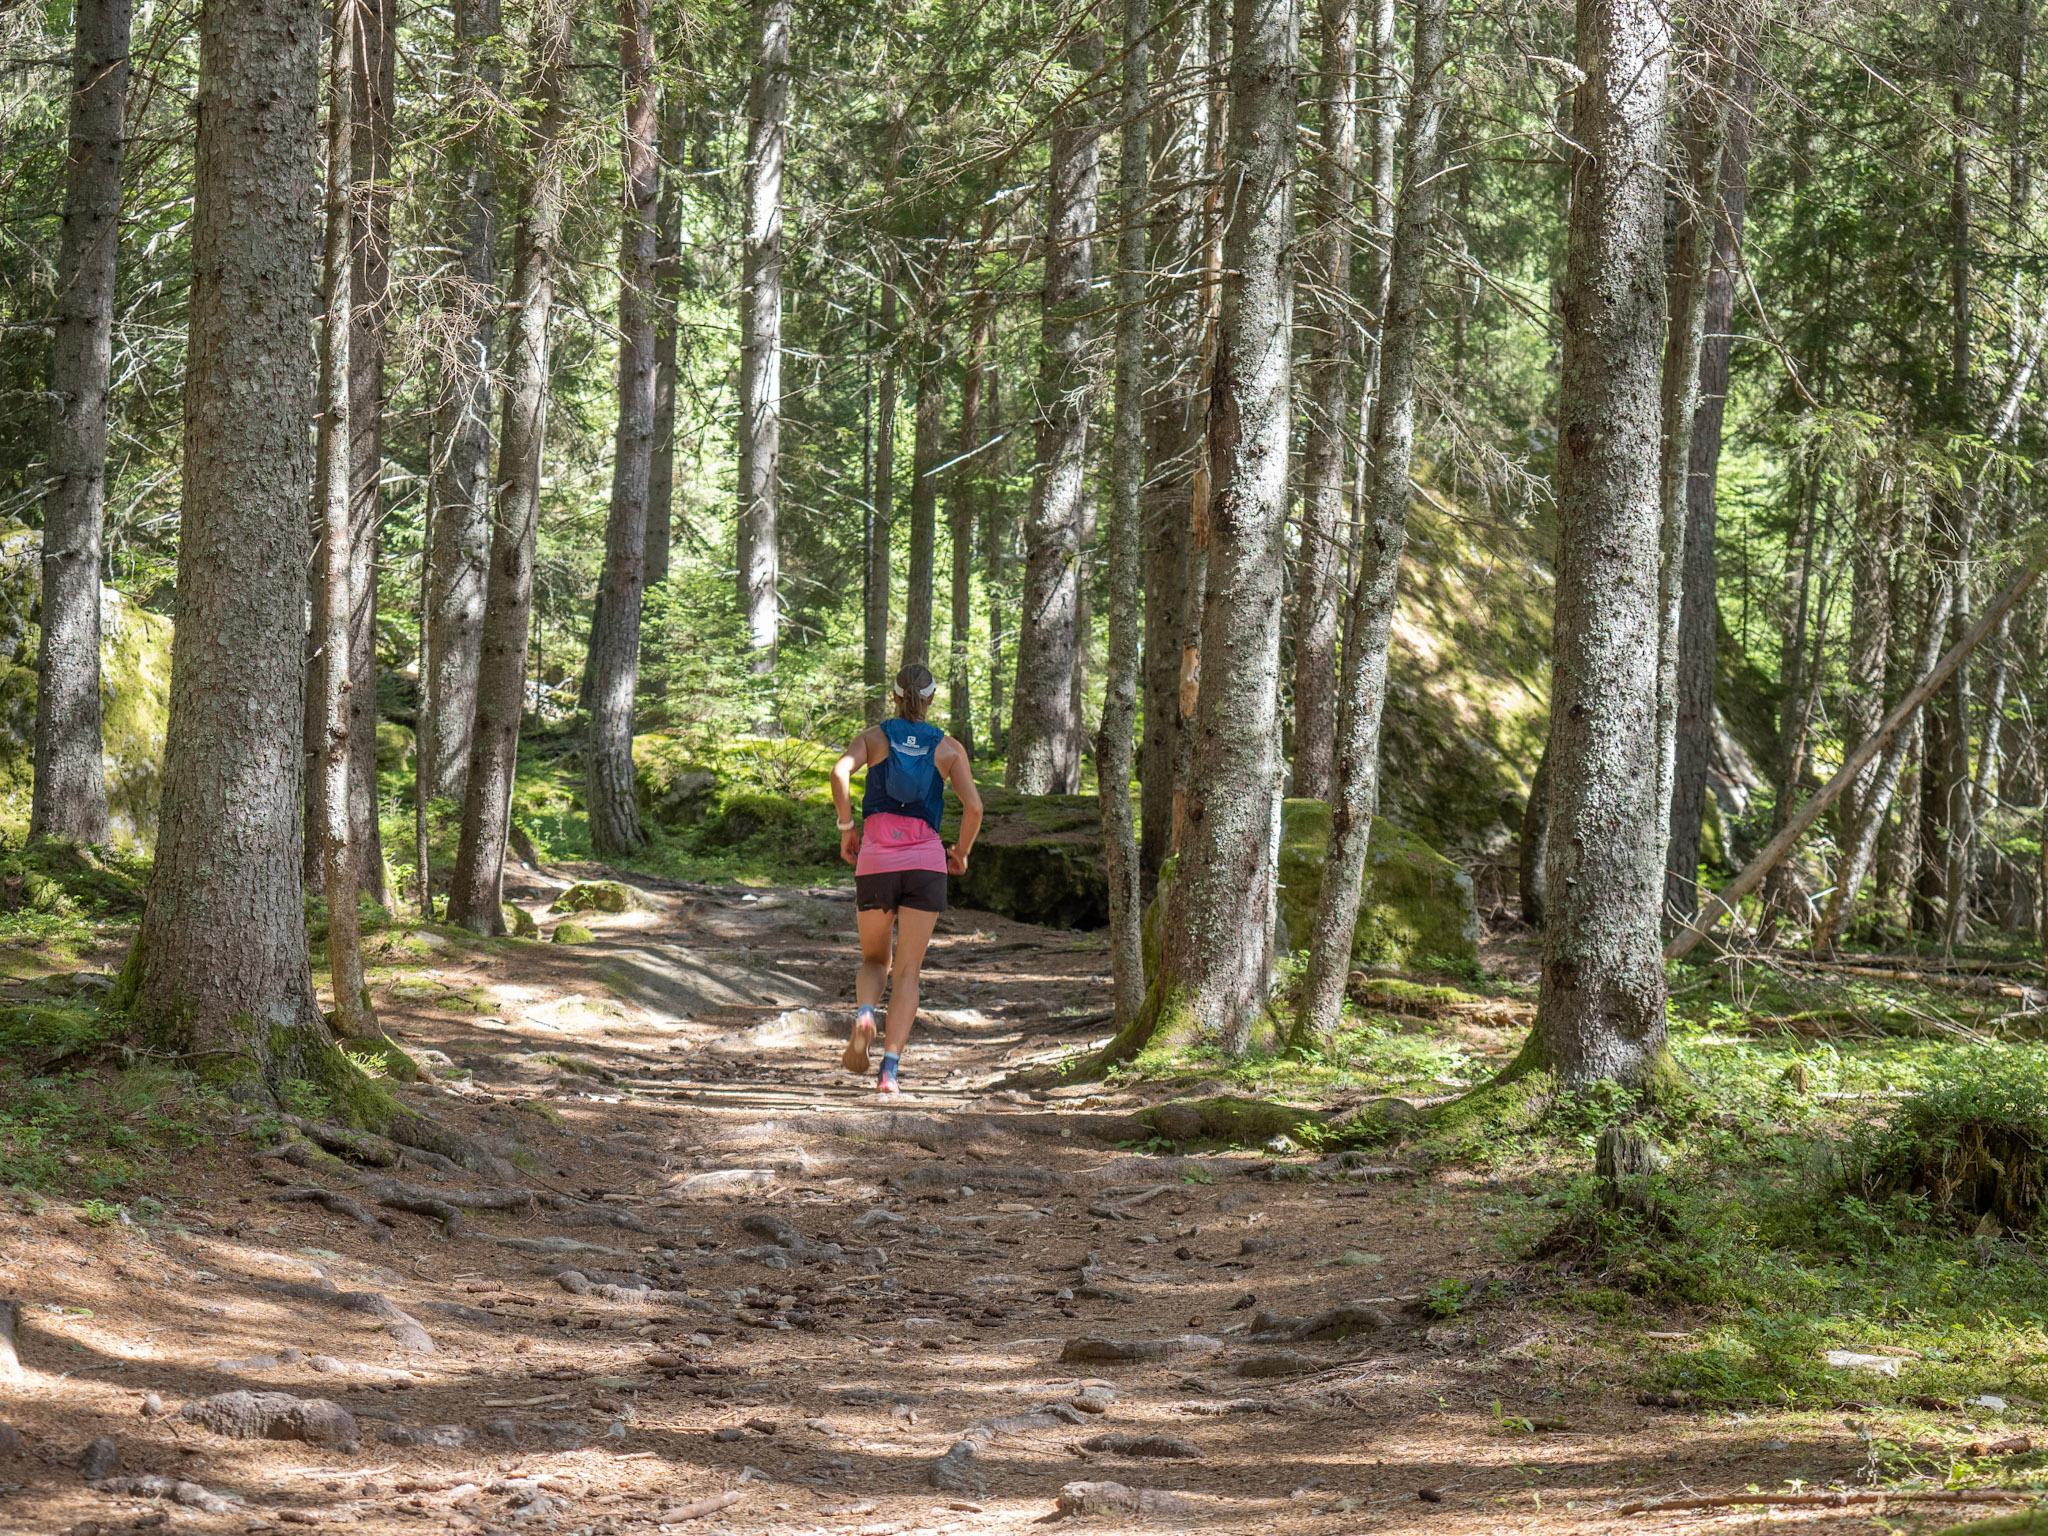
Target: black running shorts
(921, 890)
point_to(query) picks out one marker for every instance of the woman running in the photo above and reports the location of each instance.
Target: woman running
(899, 863)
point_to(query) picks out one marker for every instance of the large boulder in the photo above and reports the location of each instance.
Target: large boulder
(1038, 859)
(135, 697)
(1417, 910)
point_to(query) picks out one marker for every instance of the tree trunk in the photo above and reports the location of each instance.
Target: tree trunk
(459, 557)
(1216, 968)
(967, 493)
(374, 66)
(220, 965)
(1115, 745)
(1600, 1016)
(615, 624)
(1700, 611)
(474, 892)
(1045, 729)
(928, 416)
(881, 522)
(1369, 621)
(1703, 116)
(761, 332)
(1870, 633)
(1383, 101)
(1173, 435)
(333, 674)
(70, 795)
(1216, 210)
(1534, 852)
(668, 292)
(995, 546)
(1318, 572)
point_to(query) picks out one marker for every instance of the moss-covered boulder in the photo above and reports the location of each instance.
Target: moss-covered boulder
(598, 896)
(519, 922)
(572, 933)
(1038, 859)
(135, 697)
(1417, 910)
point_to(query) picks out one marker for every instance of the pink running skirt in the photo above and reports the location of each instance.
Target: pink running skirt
(889, 843)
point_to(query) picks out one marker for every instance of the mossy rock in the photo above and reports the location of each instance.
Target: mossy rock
(519, 922)
(770, 828)
(1038, 859)
(37, 1037)
(135, 697)
(598, 896)
(673, 788)
(572, 933)
(1417, 910)
(57, 877)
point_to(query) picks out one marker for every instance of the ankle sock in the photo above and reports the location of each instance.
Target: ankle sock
(890, 1062)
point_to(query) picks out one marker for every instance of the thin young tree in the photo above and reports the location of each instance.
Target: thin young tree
(881, 508)
(1216, 966)
(1115, 744)
(69, 800)
(1045, 730)
(761, 332)
(965, 495)
(220, 962)
(1699, 607)
(1326, 405)
(459, 550)
(333, 673)
(474, 899)
(373, 64)
(1600, 1015)
(927, 450)
(615, 626)
(1707, 56)
(668, 294)
(1369, 617)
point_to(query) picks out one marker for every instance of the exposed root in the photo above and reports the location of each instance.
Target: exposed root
(1098, 1347)
(275, 1416)
(576, 1283)
(1331, 1323)
(176, 1489)
(340, 1204)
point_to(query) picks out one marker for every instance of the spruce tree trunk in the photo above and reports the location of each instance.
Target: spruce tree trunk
(1699, 616)
(1326, 416)
(1870, 634)
(333, 674)
(1173, 435)
(615, 623)
(1382, 100)
(668, 293)
(761, 332)
(220, 963)
(995, 546)
(1045, 727)
(1369, 620)
(967, 492)
(474, 892)
(459, 554)
(881, 527)
(373, 65)
(1217, 964)
(928, 417)
(1601, 1011)
(1115, 745)
(70, 795)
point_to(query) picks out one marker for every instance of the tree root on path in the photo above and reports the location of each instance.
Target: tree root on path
(1331, 1323)
(1099, 1347)
(340, 1204)
(576, 1283)
(176, 1489)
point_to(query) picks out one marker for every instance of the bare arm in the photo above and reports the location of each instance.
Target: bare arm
(960, 774)
(856, 755)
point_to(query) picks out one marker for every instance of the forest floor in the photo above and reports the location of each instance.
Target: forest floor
(766, 1287)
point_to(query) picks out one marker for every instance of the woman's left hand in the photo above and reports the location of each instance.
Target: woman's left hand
(956, 861)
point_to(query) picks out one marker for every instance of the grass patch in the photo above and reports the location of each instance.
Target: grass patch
(100, 1134)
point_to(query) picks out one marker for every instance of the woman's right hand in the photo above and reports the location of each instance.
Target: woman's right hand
(849, 844)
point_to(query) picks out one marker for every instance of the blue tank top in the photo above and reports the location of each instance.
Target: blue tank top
(907, 782)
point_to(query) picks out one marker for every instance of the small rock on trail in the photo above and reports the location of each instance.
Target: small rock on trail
(274, 1416)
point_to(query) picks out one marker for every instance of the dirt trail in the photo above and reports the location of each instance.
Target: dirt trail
(761, 1302)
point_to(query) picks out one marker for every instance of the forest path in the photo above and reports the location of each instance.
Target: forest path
(753, 1283)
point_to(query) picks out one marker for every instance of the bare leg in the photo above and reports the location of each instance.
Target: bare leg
(913, 933)
(867, 985)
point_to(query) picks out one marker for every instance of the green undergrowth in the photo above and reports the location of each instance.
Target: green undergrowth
(103, 1133)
